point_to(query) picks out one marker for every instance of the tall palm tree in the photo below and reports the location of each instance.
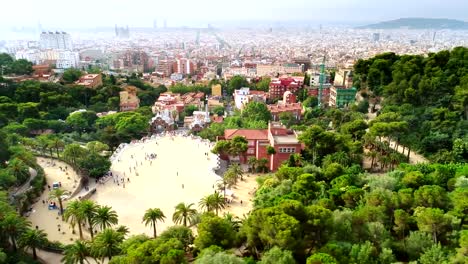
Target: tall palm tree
(395, 159)
(58, 144)
(57, 194)
(373, 155)
(33, 239)
(205, 203)
(217, 202)
(228, 180)
(13, 225)
(252, 163)
(212, 202)
(183, 213)
(151, 216)
(88, 209)
(262, 163)
(76, 253)
(105, 217)
(75, 216)
(107, 244)
(237, 170)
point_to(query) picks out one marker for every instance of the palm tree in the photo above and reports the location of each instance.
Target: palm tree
(342, 158)
(57, 194)
(88, 208)
(105, 217)
(58, 144)
(218, 202)
(107, 244)
(234, 220)
(13, 226)
(33, 239)
(295, 160)
(228, 180)
(252, 163)
(237, 170)
(384, 161)
(183, 213)
(373, 155)
(76, 253)
(212, 202)
(19, 169)
(123, 230)
(262, 163)
(205, 203)
(394, 158)
(75, 215)
(196, 219)
(151, 216)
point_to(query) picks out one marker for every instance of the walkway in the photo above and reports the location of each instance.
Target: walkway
(414, 157)
(23, 188)
(49, 220)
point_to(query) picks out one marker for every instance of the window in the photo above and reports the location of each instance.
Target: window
(287, 150)
(250, 151)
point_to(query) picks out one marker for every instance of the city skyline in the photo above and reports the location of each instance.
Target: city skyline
(52, 14)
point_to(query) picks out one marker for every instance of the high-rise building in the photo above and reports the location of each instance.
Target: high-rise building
(376, 37)
(55, 40)
(155, 24)
(165, 23)
(165, 67)
(184, 66)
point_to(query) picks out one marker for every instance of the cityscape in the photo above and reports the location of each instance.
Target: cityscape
(263, 133)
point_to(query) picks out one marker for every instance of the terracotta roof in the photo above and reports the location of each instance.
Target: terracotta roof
(249, 134)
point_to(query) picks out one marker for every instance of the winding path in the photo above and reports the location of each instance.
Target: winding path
(23, 188)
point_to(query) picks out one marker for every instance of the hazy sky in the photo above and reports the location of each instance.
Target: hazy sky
(56, 14)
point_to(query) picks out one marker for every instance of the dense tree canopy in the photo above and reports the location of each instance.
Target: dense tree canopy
(10, 66)
(428, 93)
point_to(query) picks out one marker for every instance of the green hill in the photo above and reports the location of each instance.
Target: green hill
(419, 23)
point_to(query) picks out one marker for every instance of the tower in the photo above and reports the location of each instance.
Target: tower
(321, 81)
(207, 114)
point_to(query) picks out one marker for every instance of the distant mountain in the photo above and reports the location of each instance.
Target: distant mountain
(419, 23)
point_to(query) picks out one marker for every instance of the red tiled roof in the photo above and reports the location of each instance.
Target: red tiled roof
(257, 92)
(249, 134)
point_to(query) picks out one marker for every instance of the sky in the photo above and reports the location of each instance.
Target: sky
(62, 14)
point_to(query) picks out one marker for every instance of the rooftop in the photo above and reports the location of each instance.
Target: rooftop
(247, 133)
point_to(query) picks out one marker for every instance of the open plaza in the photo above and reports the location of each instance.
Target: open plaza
(158, 172)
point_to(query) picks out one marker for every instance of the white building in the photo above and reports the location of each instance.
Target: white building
(56, 40)
(241, 97)
(29, 55)
(67, 59)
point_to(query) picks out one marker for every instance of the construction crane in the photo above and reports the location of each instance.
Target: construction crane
(321, 81)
